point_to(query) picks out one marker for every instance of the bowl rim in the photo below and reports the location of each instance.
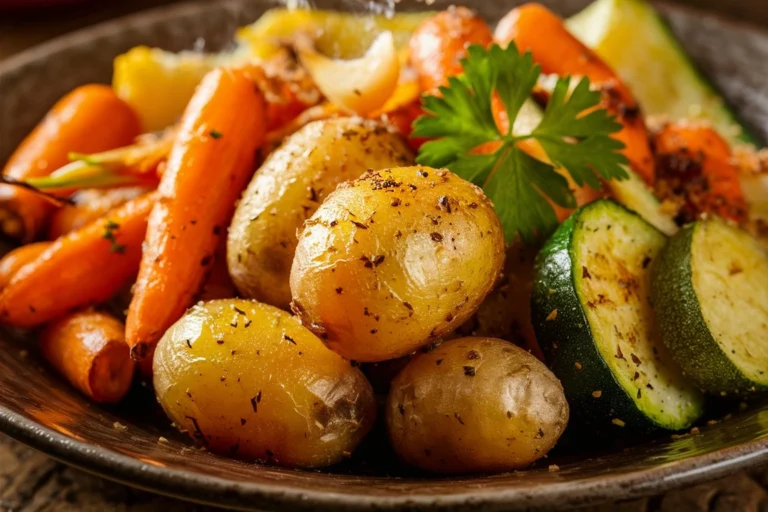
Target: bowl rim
(216, 491)
(211, 490)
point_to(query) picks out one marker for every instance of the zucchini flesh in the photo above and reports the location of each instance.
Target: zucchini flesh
(592, 314)
(637, 43)
(711, 286)
(635, 195)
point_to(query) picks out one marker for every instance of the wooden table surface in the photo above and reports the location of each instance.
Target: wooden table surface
(32, 482)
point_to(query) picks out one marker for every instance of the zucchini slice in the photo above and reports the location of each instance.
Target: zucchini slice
(592, 315)
(634, 194)
(636, 42)
(710, 288)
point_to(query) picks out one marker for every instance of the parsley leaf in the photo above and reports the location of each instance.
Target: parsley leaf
(110, 229)
(573, 132)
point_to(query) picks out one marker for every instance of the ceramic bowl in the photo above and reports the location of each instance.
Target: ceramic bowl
(122, 444)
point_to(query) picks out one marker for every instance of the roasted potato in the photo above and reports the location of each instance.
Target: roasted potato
(247, 380)
(287, 190)
(475, 405)
(395, 260)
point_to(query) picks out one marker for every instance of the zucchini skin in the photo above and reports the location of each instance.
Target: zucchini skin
(567, 340)
(683, 328)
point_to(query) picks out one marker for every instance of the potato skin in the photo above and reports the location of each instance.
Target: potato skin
(394, 260)
(287, 190)
(248, 381)
(475, 405)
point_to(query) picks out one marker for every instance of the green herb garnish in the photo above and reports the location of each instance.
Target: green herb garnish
(573, 132)
(109, 234)
(215, 134)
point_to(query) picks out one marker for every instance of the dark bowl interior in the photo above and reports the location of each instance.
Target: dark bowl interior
(122, 443)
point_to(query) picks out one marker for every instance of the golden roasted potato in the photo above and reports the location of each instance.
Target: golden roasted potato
(287, 190)
(247, 380)
(395, 260)
(475, 405)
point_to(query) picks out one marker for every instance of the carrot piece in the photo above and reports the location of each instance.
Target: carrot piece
(88, 348)
(17, 258)
(218, 285)
(437, 46)
(209, 166)
(90, 119)
(695, 162)
(90, 205)
(85, 267)
(535, 28)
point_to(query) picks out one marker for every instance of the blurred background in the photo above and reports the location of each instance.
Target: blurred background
(24, 23)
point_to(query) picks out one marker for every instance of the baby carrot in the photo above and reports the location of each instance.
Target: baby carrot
(89, 205)
(441, 41)
(82, 268)
(17, 258)
(211, 162)
(88, 348)
(535, 28)
(693, 159)
(90, 119)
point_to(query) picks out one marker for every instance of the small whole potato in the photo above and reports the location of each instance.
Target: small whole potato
(287, 190)
(248, 381)
(475, 405)
(394, 260)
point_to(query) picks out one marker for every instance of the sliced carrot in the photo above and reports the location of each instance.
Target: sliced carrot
(17, 258)
(90, 119)
(696, 164)
(209, 166)
(90, 205)
(85, 267)
(439, 44)
(535, 28)
(89, 350)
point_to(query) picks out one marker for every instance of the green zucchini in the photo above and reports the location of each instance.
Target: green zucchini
(592, 315)
(636, 42)
(710, 288)
(634, 194)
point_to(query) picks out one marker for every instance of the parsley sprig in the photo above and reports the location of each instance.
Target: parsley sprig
(573, 131)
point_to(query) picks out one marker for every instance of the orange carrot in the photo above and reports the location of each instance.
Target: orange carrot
(218, 285)
(209, 166)
(82, 268)
(88, 120)
(695, 160)
(441, 41)
(17, 258)
(89, 205)
(535, 28)
(88, 348)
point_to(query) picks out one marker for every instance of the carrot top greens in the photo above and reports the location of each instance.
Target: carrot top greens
(574, 133)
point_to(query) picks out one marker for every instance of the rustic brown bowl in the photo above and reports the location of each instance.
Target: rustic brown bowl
(122, 444)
